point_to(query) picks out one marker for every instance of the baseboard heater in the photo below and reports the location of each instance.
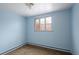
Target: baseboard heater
(59, 49)
(12, 49)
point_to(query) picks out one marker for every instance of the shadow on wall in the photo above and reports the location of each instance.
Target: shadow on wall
(12, 31)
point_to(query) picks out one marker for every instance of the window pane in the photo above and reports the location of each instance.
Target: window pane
(42, 24)
(48, 24)
(37, 21)
(37, 25)
(42, 21)
(48, 20)
(48, 27)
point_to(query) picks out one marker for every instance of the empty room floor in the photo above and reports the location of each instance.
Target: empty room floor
(36, 50)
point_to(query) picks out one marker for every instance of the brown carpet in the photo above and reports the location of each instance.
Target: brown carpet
(36, 50)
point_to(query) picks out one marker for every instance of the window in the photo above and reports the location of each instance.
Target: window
(43, 24)
(37, 25)
(48, 24)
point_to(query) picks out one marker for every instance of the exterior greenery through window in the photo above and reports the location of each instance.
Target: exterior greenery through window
(43, 24)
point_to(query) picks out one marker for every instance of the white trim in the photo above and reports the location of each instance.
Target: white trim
(64, 50)
(59, 49)
(13, 49)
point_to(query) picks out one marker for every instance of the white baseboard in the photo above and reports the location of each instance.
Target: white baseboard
(59, 49)
(4, 53)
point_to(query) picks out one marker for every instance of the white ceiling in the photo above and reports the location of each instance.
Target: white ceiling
(38, 8)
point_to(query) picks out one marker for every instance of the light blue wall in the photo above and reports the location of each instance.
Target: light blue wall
(75, 28)
(15, 30)
(61, 35)
(12, 30)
